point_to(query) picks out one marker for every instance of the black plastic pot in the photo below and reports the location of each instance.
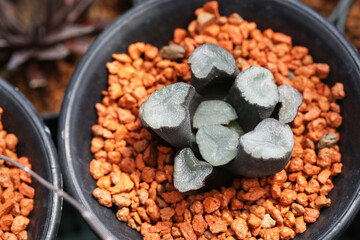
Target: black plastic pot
(153, 22)
(35, 143)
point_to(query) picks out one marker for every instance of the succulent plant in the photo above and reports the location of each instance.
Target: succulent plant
(235, 131)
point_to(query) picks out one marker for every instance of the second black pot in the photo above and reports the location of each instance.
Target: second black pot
(35, 143)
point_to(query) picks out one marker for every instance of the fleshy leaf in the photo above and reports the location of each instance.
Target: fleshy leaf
(213, 112)
(264, 151)
(290, 99)
(167, 112)
(254, 96)
(217, 144)
(212, 67)
(210, 60)
(189, 172)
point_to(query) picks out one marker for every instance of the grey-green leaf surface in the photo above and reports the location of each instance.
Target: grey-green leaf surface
(213, 112)
(189, 172)
(217, 144)
(168, 112)
(264, 151)
(165, 107)
(254, 96)
(290, 99)
(212, 67)
(209, 58)
(270, 139)
(257, 87)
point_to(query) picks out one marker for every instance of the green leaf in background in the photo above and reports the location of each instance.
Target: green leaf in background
(236, 126)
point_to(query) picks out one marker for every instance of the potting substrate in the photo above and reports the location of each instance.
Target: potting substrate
(17, 195)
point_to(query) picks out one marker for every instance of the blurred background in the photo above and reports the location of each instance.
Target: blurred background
(42, 41)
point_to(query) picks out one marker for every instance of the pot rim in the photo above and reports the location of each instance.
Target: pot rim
(75, 84)
(29, 110)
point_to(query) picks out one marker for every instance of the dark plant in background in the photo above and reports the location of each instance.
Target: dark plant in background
(33, 31)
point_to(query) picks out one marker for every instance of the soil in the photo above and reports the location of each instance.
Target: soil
(48, 99)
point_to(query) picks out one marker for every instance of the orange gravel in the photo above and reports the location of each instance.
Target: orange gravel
(16, 196)
(135, 173)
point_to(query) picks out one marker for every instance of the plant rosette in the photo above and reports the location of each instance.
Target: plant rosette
(237, 121)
